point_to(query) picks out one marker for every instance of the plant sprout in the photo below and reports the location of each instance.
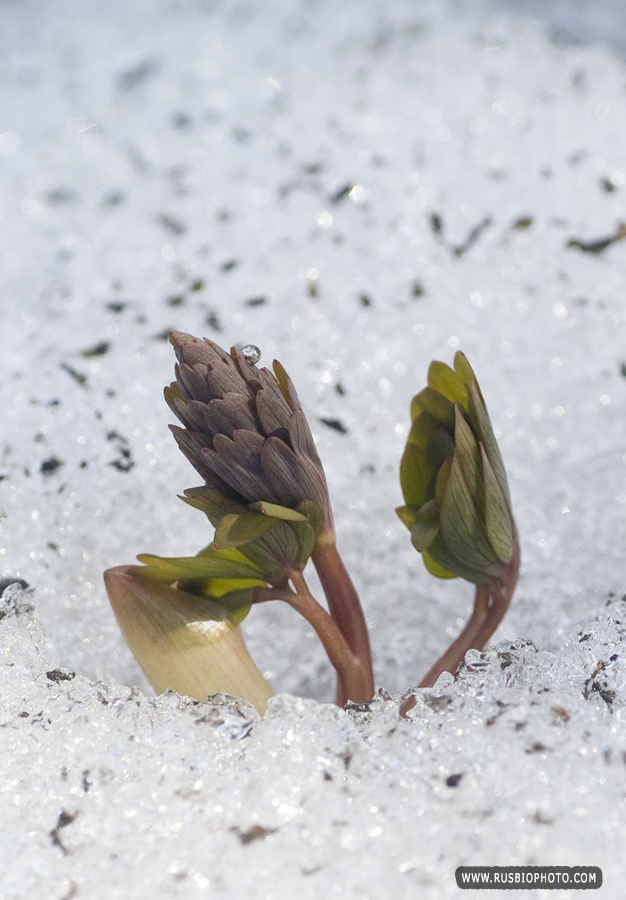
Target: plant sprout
(266, 496)
(458, 507)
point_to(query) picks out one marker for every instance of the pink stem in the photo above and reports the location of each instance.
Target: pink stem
(490, 605)
(345, 609)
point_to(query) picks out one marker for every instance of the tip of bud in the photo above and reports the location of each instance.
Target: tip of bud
(191, 350)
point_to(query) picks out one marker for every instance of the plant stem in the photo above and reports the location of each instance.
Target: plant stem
(500, 596)
(490, 605)
(344, 661)
(345, 609)
(467, 640)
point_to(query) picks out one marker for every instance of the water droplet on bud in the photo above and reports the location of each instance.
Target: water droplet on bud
(251, 354)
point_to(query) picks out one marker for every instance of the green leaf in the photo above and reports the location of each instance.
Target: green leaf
(209, 565)
(286, 385)
(285, 547)
(447, 382)
(278, 512)
(498, 523)
(172, 393)
(284, 544)
(234, 530)
(440, 562)
(307, 538)
(463, 369)
(442, 480)
(438, 406)
(212, 503)
(407, 514)
(481, 423)
(416, 409)
(416, 475)
(308, 531)
(260, 554)
(435, 568)
(468, 456)
(232, 553)
(424, 425)
(237, 604)
(313, 514)
(425, 526)
(219, 587)
(484, 432)
(440, 447)
(461, 528)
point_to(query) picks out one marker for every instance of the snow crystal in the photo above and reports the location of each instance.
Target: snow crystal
(506, 764)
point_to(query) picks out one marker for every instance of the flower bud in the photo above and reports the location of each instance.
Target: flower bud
(182, 641)
(244, 429)
(458, 507)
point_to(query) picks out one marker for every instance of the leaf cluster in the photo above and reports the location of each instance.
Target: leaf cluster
(254, 547)
(457, 503)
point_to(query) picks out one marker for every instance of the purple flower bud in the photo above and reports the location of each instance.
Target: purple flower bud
(244, 429)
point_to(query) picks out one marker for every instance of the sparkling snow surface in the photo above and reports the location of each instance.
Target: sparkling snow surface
(356, 188)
